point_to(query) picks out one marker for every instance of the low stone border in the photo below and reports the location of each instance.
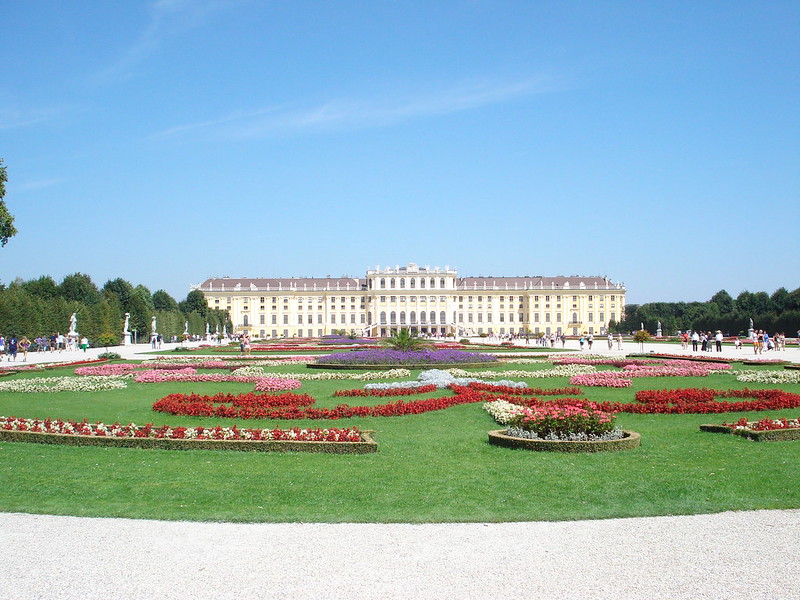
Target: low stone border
(337, 367)
(773, 435)
(794, 366)
(367, 445)
(631, 440)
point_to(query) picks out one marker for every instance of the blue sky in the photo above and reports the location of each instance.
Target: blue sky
(166, 142)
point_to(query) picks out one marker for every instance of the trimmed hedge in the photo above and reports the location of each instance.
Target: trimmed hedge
(773, 435)
(367, 445)
(631, 440)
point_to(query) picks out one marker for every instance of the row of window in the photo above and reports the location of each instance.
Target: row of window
(413, 282)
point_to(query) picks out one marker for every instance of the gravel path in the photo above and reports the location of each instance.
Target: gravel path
(753, 555)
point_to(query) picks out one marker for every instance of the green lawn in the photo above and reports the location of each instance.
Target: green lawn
(430, 468)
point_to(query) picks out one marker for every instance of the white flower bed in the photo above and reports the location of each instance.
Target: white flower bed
(614, 434)
(559, 371)
(772, 377)
(502, 410)
(89, 383)
(441, 379)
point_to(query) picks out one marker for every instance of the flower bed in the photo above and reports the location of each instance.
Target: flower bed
(559, 371)
(764, 430)
(709, 359)
(620, 379)
(82, 433)
(678, 401)
(409, 359)
(629, 441)
(63, 384)
(771, 377)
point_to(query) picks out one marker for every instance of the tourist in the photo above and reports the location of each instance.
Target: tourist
(84, 343)
(3, 345)
(685, 341)
(619, 341)
(718, 340)
(695, 339)
(610, 340)
(590, 340)
(24, 344)
(581, 341)
(12, 348)
(737, 343)
(703, 342)
(563, 339)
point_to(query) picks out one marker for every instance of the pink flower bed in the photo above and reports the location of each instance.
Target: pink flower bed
(106, 370)
(621, 379)
(611, 379)
(263, 384)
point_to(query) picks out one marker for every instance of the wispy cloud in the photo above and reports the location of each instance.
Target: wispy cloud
(167, 18)
(32, 186)
(10, 117)
(344, 113)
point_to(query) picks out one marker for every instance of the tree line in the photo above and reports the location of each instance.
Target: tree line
(779, 312)
(43, 307)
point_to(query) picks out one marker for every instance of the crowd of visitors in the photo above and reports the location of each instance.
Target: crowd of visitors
(11, 347)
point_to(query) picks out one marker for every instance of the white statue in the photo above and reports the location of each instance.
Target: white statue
(207, 331)
(153, 326)
(186, 328)
(73, 325)
(127, 323)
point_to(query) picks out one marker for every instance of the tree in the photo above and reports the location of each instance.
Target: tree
(195, 302)
(44, 287)
(724, 300)
(163, 301)
(7, 229)
(123, 290)
(80, 288)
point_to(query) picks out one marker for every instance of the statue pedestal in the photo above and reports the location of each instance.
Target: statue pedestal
(658, 333)
(126, 338)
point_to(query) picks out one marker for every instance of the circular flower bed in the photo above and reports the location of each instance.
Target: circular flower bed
(629, 441)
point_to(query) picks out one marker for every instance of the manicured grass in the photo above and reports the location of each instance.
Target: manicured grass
(432, 467)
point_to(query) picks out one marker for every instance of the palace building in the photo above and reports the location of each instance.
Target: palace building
(425, 300)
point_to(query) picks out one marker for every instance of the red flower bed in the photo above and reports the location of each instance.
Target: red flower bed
(116, 430)
(765, 424)
(294, 406)
(686, 401)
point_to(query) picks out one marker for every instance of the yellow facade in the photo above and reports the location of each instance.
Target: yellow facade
(426, 300)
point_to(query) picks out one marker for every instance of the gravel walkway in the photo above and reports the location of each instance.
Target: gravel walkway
(733, 555)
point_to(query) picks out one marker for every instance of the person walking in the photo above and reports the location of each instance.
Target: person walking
(695, 339)
(718, 340)
(619, 341)
(84, 343)
(24, 344)
(610, 340)
(12, 348)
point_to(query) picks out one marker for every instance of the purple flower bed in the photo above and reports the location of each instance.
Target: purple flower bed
(397, 357)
